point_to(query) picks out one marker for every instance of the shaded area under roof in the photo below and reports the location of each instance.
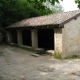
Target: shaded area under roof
(53, 19)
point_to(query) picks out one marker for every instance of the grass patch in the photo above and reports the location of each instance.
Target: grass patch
(73, 57)
(57, 55)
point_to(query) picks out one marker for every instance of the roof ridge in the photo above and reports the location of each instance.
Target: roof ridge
(54, 19)
(50, 14)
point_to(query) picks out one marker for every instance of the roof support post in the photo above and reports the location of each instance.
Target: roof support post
(34, 37)
(9, 37)
(19, 37)
(58, 40)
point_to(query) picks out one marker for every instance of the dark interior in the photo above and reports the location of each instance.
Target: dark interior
(46, 39)
(26, 34)
(14, 36)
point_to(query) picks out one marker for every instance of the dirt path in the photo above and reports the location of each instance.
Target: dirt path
(17, 64)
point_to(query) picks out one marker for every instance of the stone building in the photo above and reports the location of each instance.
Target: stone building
(59, 32)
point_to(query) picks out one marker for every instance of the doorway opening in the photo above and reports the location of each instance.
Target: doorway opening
(46, 39)
(14, 36)
(26, 35)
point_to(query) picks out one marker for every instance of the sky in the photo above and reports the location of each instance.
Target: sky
(69, 5)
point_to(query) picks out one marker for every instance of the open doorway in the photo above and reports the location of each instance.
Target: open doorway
(14, 36)
(46, 39)
(26, 35)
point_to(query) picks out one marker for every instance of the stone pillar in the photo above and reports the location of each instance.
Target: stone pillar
(34, 36)
(19, 37)
(9, 37)
(58, 40)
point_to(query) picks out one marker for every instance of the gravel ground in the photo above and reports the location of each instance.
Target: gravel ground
(18, 64)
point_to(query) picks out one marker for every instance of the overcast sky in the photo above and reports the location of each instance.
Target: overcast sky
(69, 5)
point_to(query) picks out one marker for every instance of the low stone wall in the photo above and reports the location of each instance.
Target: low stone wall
(38, 50)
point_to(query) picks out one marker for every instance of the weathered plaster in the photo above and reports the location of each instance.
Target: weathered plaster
(19, 37)
(71, 38)
(34, 37)
(9, 37)
(58, 39)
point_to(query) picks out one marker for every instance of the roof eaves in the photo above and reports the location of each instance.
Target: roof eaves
(74, 17)
(49, 26)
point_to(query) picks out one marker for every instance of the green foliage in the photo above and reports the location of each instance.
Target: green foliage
(12, 11)
(57, 8)
(78, 3)
(53, 2)
(57, 55)
(40, 7)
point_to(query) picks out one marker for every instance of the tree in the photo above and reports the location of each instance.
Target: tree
(56, 8)
(40, 7)
(53, 2)
(12, 11)
(15, 10)
(78, 3)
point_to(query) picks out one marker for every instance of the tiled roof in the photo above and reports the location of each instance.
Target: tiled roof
(52, 19)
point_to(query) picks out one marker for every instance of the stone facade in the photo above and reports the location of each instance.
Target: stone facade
(66, 39)
(58, 40)
(9, 37)
(34, 37)
(71, 38)
(19, 37)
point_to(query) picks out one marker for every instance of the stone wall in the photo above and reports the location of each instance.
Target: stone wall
(71, 38)
(9, 37)
(58, 40)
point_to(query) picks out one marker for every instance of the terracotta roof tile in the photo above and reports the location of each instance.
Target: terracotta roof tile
(46, 20)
